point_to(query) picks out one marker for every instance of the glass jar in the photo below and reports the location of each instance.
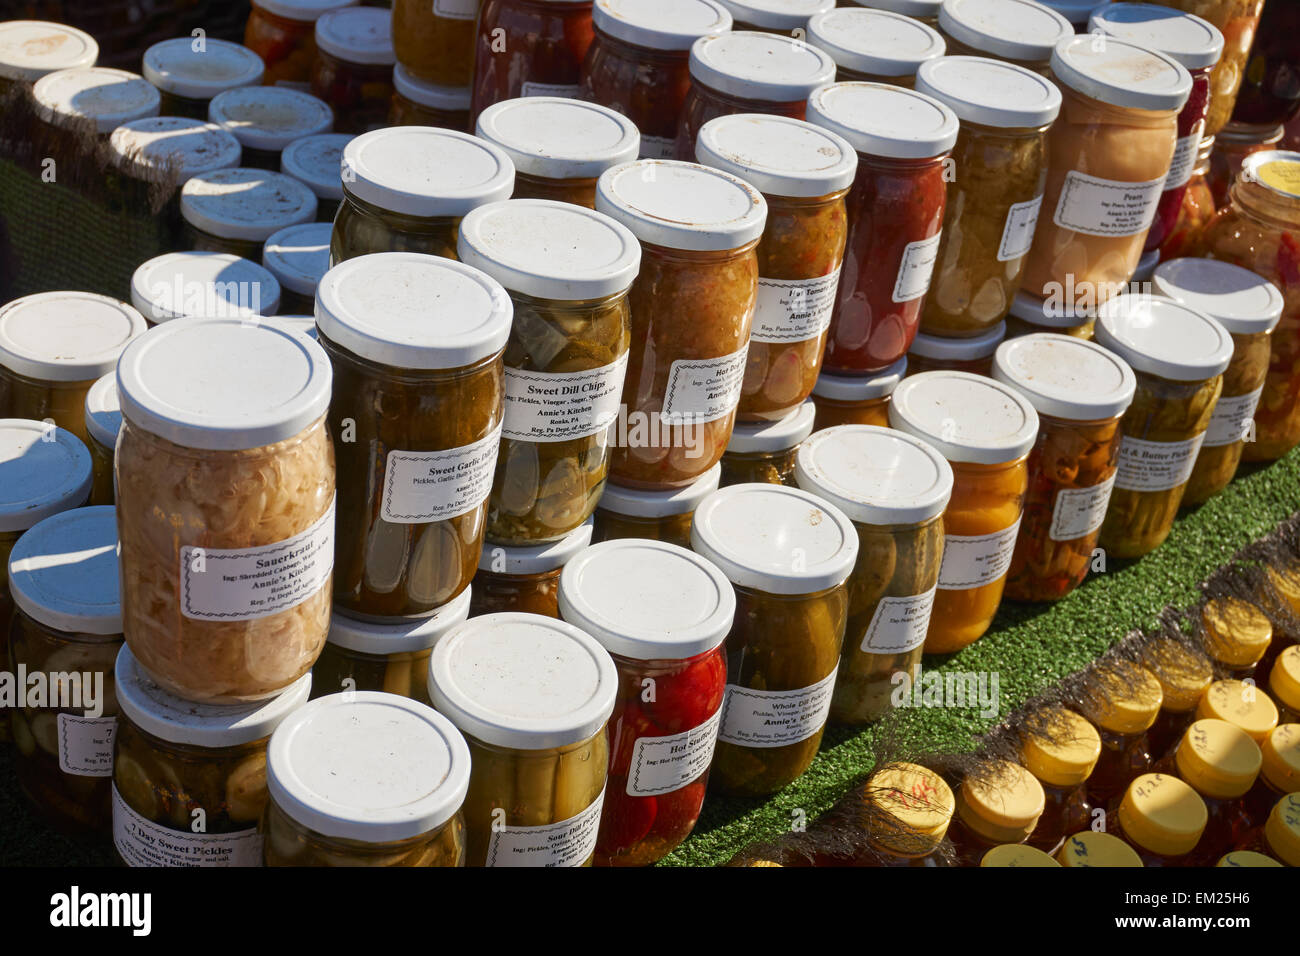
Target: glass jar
(874, 46)
(1122, 700)
(525, 579)
(1029, 315)
(416, 417)
(846, 400)
(894, 488)
(895, 212)
(935, 353)
(804, 173)
(1220, 763)
(1270, 82)
(189, 780)
(533, 696)
(1060, 748)
(237, 210)
(1284, 684)
(65, 633)
(315, 162)
(1279, 772)
(764, 452)
(189, 72)
(1280, 834)
(1237, 20)
(1093, 848)
(282, 33)
(985, 430)
(419, 103)
(774, 16)
(93, 98)
(1179, 356)
(266, 119)
(1115, 137)
(1018, 31)
(926, 11)
(657, 515)
(298, 256)
(212, 285)
(405, 189)
(663, 614)
(1195, 211)
(1232, 147)
(31, 49)
(999, 803)
(1076, 11)
(692, 307)
(434, 39)
(338, 768)
(788, 555)
(907, 810)
(1236, 635)
(748, 73)
(1160, 817)
(1184, 673)
(103, 419)
(1080, 392)
(224, 459)
(1016, 855)
(353, 69)
(1242, 704)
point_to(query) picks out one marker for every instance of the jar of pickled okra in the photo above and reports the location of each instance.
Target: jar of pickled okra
(1236, 634)
(1279, 771)
(416, 344)
(1095, 848)
(1184, 673)
(1241, 704)
(189, 780)
(998, 803)
(1060, 748)
(282, 33)
(266, 119)
(1021, 32)
(1160, 817)
(1029, 315)
(212, 285)
(532, 695)
(1221, 763)
(417, 102)
(850, 400)
(365, 779)
(237, 210)
(315, 162)
(1017, 855)
(30, 49)
(434, 39)
(1284, 685)
(103, 419)
(353, 69)
(1122, 700)
(526, 579)
(788, 554)
(189, 72)
(906, 812)
(765, 451)
(937, 353)
(876, 46)
(298, 256)
(657, 515)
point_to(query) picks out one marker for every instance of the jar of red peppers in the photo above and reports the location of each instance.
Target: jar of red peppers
(282, 33)
(266, 119)
(527, 579)
(657, 515)
(935, 353)
(804, 173)
(434, 39)
(874, 45)
(189, 72)
(926, 11)
(315, 162)
(353, 70)
(1270, 85)
(1030, 314)
(663, 614)
(765, 451)
(417, 102)
(237, 210)
(895, 212)
(1019, 31)
(1196, 210)
(853, 400)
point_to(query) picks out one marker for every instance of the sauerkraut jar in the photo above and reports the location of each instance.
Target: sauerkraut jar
(692, 307)
(298, 256)
(1237, 20)
(1080, 391)
(365, 779)
(315, 161)
(532, 696)
(894, 488)
(895, 210)
(1179, 356)
(189, 780)
(434, 39)
(237, 210)
(30, 49)
(209, 285)
(1019, 31)
(663, 614)
(986, 431)
(1249, 307)
(853, 400)
(65, 633)
(525, 579)
(417, 102)
(657, 515)
(189, 74)
(266, 119)
(282, 33)
(1030, 314)
(937, 353)
(996, 190)
(353, 69)
(225, 506)
(804, 173)
(416, 416)
(874, 45)
(764, 452)
(103, 421)
(788, 554)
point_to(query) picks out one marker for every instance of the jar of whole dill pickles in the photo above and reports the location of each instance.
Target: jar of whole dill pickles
(659, 515)
(512, 578)
(765, 451)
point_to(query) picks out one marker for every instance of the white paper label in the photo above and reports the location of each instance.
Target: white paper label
(456, 9)
(558, 406)
(703, 390)
(244, 584)
(1180, 170)
(86, 745)
(569, 90)
(424, 486)
(899, 624)
(1232, 418)
(567, 843)
(915, 270)
(775, 718)
(1156, 465)
(657, 147)
(972, 561)
(1104, 207)
(142, 842)
(1018, 233)
(664, 764)
(1080, 511)
(794, 310)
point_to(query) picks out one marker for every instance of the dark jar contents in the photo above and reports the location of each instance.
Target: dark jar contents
(1122, 700)
(998, 804)
(434, 39)
(1270, 83)
(657, 515)
(1060, 748)
(525, 579)
(1279, 772)
(856, 400)
(353, 70)
(417, 103)
(1160, 817)
(906, 812)
(765, 451)
(933, 353)
(1184, 673)
(189, 75)
(283, 34)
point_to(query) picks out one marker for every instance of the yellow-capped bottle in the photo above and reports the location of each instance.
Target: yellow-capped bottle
(907, 811)
(1221, 764)
(1237, 634)
(1016, 854)
(1284, 581)
(1061, 748)
(1093, 848)
(1279, 837)
(1246, 858)
(1001, 804)
(1279, 772)
(1123, 700)
(1160, 817)
(1184, 674)
(1284, 685)
(1240, 703)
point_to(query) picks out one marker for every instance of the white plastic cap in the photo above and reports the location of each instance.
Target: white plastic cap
(778, 155)
(1022, 30)
(1076, 11)
(970, 349)
(785, 15)
(876, 42)
(357, 35)
(967, 418)
(245, 204)
(305, 10)
(63, 572)
(660, 24)
(179, 68)
(990, 92)
(190, 146)
(682, 205)
(301, 324)
(909, 8)
(66, 336)
(756, 438)
(1121, 74)
(853, 388)
(640, 503)
(449, 99)
(1049, 313)
(1164, 338)
(202, 285)
(104, 96)
(316, 161)
(269, 118)
(883, 120)
(400, 635)
(30, 49)
(1066, 377)
(760, 66)
(43, 470)
(1195, 43)
(103, 410)
(1243, 303)
(535, 559)
(554, 137)
(299, 256)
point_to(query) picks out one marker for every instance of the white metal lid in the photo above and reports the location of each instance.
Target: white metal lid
(1076, 11)
(200, 69)
(966, 417)
(910, 8)
(1066, 377)
(559, 138)
(43, 470)
(852, 388)
(775, 14)
(104, 96)
(424, 93)
(876, 476)
(316, 161)
(189, 146)
(778, 155)
(682, 205)
(1243, 303)
(367, 766)
(523, 681)
(1195, 43)
(103, 410)
(990, 92)
(760, 66)
(640, 503)
(537, 559)
(1162, 337)
(212, 726)
(223, 384)
(1121, 74)
(29, 49)
(307, 10)
(357, 35)
(647, 600)
(245, 204)
(66, 336)
(883, 120)
(409, 310)
(269, 117)
(1020, 30)
(202, 284)
(399, 635)
(63, 572)
(773, 436)
(298, 256)
(959, 350)
(426, 171)
(877, 42)
(660, 24)
(1050, 312)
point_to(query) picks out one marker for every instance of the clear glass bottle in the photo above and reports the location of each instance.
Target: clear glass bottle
(1184, 673)
(1279, 837)
(189, 74)
(417, 102)
(1160, 817)
(1236, 635)
(283, 34)
(525, 579)
(266, 119)
(1222, 764)
(907, 810)
(875, 46)
(1284, 684)
(353, 68)
(1094, 848)
(1061, 748)
(657, 515)
(1240, 703)
(1122, 700)
(998, 803)
(237, 210)
(1020, 32)
(850, 400)
(765, 451)
(1279, 771)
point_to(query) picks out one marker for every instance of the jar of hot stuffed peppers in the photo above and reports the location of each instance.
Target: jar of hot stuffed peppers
(527, 579)
(658, 515)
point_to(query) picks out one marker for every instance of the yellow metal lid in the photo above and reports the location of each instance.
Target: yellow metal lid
(1002, 806)
(1246, 858)
(1182, 672)
(1236, 632)
(1016, 854)
(1282, 830)
(1162, 814)
(1218, 759)
(1123, 698)
(1284, 679)
(1062, 750)
(1091, 848)
(1242, 704)
(1281, 763)
(914, 807)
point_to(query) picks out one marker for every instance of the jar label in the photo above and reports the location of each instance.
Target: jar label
(1180, 170)
(559, 406)
(1080, 511)
(244, 584)
(86, 745)
(1156, 465)
(1231, 419)
(664, 764)
(899, 624)
(424, 486)
(915, 270)
(1018, 233)
(1104, 207)
(703, 390)
(657, 147)
(775, 718)
(456, 9)
(142, 842)
(569, 90)
(972, 561)
(567, 843)
(794, 310)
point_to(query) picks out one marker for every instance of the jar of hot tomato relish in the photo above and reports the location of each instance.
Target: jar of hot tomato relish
(1122, 700)
(854, 400)
(934, 353)
(353, 71)
(283, 34)
(874, 45)
(1019, 31)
